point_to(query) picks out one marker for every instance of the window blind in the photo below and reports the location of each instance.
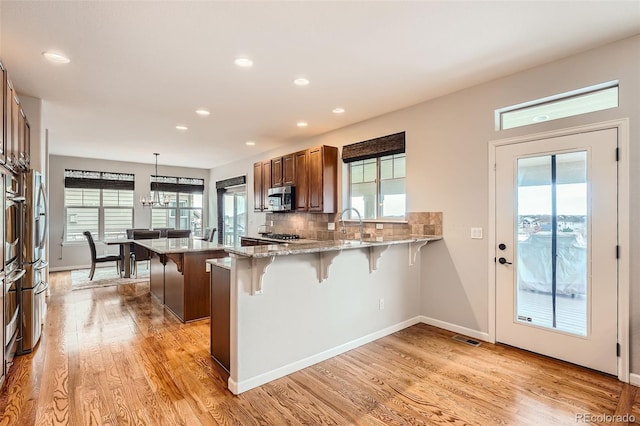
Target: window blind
(176, 184)
(86, 179)
(373, 148)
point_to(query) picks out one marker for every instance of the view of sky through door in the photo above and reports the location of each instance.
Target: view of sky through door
(552, 229)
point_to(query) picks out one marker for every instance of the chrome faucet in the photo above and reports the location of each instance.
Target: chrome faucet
(344, 226)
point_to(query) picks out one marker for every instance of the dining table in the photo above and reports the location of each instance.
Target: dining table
(125, 250)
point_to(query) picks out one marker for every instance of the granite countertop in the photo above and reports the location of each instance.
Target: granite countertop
(179, 245)
(223, 262)
(312, 246)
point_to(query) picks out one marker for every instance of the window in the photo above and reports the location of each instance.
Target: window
(377, 173)
(582, 101)
(98, 202)
(185, 196)
(377, 187)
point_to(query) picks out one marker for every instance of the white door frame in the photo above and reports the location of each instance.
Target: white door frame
(623, 228)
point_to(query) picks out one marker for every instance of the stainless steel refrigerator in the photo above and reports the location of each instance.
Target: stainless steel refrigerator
(35, 281)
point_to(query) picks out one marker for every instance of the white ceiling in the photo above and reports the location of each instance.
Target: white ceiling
(140, 68)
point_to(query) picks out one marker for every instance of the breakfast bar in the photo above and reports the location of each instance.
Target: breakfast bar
(326, 296)
(179, 276)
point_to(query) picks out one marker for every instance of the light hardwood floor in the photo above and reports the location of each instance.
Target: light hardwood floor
(114, 356)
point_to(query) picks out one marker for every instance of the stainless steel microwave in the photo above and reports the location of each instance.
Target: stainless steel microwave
(281, 198)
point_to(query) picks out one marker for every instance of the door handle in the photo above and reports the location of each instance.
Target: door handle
(503, 261)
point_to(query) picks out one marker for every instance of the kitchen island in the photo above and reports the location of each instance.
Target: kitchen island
(179, 277)
(295, 304)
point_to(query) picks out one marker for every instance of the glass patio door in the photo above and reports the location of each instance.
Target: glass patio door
(556, 237)
(235, 215)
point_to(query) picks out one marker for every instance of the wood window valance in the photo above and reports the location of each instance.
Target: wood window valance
(372, 148)
(86, 179)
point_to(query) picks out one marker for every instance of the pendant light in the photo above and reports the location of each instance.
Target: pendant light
(155, 200)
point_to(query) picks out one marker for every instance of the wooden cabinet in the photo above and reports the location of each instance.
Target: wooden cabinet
(15, 126)
(20, 153)
(257, 187)
(220, 315)
(27, 143)
(266, 183)
(11, 116)
(288, 169)
(323, 179)
(276, 172)
(3, 109)
(261, 185)
(301, 179)
(15, 137)
(313, 172)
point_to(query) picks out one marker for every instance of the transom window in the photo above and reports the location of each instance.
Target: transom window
(589, 99)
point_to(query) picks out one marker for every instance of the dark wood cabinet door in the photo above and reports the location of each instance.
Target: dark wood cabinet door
(27, 143)
(12, 152)
(266, 183)
(301, 179)
(257, 187)
(8, 122)
(276, 172)
(288, 169)
(20, 153)
(3, 109)
(315, 179)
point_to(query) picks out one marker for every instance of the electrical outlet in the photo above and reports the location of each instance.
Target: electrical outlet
(381, 304)
(379, 226)
(207, 267)
(270, 223)
(331, 226)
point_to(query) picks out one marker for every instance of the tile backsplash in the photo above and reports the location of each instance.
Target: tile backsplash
(315, 225)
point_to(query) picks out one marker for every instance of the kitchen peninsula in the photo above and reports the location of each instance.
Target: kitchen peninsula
(178, 278)
(293, 305)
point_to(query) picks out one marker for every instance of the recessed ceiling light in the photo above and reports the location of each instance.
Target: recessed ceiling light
(301, 82)
(202, 112)
(338, 110)
(56, 58)
(302, 124)
(250, 143)
(181, 127)
(244, 62)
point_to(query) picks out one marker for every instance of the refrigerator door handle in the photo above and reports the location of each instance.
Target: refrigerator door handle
(15, 277)
(42, 288)
(41, 265)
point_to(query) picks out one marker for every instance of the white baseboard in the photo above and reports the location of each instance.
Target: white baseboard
(479, 335)
(634, 379)
(68, 268)
(245, 385)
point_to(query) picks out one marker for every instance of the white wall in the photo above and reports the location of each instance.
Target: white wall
(447, 170)
(328, 317)
(73, 255)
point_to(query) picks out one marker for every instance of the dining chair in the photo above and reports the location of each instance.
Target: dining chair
(100, 259)
(211, 234)
(163, 231)
(140, 253)
(178, 233)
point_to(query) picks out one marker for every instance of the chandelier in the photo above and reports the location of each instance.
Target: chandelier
(155, 200)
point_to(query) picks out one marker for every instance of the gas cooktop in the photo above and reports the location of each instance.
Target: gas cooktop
(282, 236)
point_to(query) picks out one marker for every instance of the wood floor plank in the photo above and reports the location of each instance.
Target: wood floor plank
(115, 356)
